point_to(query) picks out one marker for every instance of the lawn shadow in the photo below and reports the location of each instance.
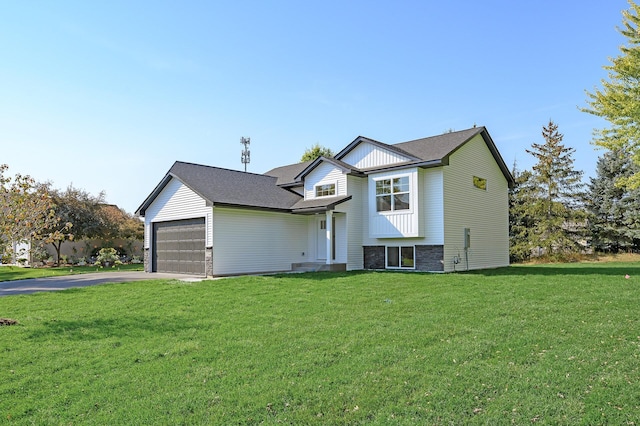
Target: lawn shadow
(319, 276)
(102, 328)
(578, 269)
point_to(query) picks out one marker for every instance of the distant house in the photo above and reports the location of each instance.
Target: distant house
(433, 204)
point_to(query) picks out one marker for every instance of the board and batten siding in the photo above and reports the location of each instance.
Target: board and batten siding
(175, 202)
(325, 173)
(395, 224)
(250, 241)
(430, 207)
(484, 212)
(366, 155)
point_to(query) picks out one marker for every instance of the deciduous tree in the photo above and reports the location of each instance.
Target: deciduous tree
(26, 208)
(77, 214)
(316, 151)
(618, 101)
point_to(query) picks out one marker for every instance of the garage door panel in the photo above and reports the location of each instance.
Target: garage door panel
(179, 246)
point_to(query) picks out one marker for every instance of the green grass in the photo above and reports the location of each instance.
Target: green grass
(9, 273)
(557, 344)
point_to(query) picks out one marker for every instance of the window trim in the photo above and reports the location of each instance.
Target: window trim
(409, 193)
(399, 247)
(319, 185)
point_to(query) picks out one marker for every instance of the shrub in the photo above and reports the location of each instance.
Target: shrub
(107, 256)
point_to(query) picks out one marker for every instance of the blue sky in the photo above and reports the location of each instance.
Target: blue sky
(107, 95)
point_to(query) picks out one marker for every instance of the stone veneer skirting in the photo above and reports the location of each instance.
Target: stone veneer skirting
(428, 257)
(147, 260)
(208, 261)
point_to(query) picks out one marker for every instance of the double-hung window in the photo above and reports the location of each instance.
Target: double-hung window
(392, 194)
(326, 190)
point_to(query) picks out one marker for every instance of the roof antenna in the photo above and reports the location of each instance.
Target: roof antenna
(246, 154)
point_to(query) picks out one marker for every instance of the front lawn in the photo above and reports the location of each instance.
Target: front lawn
(9, 273)
(557, 344)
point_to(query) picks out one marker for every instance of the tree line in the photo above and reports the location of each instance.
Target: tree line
(552, 211)
(555, 214)
(39, 214)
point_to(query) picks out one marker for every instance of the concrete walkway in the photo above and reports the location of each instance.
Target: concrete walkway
(34, 285)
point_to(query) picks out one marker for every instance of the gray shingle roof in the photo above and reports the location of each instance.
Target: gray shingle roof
(287, 174)
(438, 147)
(231, 187)
(227, 187)
(434, 150)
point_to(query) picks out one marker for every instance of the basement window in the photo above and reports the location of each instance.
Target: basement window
(401, 257)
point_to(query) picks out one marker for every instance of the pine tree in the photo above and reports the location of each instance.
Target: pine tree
(614, 220)
(557, 199)
(618, 101)
(520, 219)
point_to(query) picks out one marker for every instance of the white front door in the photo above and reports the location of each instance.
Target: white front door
(321, 228)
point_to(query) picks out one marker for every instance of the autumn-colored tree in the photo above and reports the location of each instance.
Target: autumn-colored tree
(26, 209)
(618, 101)
(75, 210)
(123, 225)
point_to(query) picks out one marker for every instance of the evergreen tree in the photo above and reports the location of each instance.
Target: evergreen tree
(618, 101)
(520, 219)
(557, 197)
(614, 220)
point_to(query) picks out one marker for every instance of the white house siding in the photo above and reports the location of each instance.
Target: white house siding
(325, 173)
(175, 202)
(432, 213)
(367, 155)
(256, 241)
(353, 222)
(341, 238)
(484, 212)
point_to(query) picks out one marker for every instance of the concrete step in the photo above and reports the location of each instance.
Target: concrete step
(317, 267)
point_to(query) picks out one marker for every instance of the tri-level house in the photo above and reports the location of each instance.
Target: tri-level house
(436, 204)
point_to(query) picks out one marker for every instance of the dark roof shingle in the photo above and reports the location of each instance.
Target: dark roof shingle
(228, 187)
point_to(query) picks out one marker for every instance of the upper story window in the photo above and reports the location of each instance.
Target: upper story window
(326, 190)
(480, 183)
(392, 194)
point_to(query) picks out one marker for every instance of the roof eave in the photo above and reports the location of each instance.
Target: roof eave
(320, 209)
(315, 164)
(499, 160)
(421, 164)
(141, 211)
(248, 207)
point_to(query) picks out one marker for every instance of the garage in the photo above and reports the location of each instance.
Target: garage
(179, 246)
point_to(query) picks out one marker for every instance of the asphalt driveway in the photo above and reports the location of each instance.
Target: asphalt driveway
(34, 285)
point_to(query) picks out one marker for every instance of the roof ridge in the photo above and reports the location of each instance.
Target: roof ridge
(478, 128)
(220, 168)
